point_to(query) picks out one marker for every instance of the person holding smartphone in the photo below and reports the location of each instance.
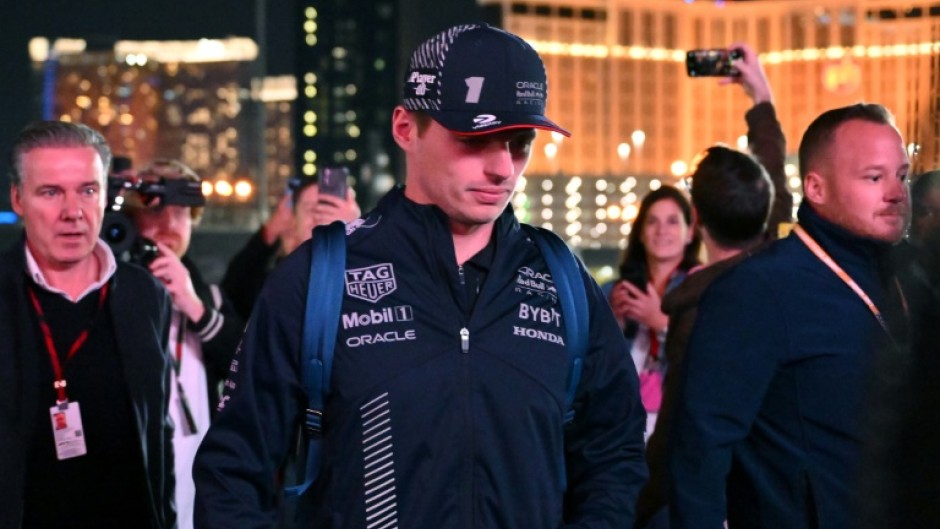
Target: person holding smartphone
(302, 208)
(764, 134)
(739, 200)
(320, 201)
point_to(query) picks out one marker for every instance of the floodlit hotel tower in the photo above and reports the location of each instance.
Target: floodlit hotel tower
(617, 78)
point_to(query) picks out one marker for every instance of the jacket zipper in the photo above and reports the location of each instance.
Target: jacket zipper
(464, 340)
(467, 503)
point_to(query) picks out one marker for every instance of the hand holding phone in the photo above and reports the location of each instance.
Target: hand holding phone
(333, 181)
(712, 62)
(636, 276)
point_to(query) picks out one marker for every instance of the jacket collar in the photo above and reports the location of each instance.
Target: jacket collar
(107, 267)
(843, 245)
(431, 221)
(866, 260)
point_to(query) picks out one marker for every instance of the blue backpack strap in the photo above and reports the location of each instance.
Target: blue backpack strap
(566, 274)
(324, 302)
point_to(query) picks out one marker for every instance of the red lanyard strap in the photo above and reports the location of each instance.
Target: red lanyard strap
(59, 383)
(843, 275)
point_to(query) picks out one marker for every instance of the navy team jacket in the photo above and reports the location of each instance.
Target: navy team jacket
(426, 428)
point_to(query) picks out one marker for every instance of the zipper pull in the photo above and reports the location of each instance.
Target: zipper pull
(464, 340)
(461, 275)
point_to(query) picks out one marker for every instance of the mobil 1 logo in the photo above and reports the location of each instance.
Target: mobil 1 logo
(377, 316)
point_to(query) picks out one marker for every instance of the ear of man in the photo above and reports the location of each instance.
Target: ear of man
(815, 188)
(16, 200)
(404, 128)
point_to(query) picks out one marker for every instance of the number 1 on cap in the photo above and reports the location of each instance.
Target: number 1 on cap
(474, 87)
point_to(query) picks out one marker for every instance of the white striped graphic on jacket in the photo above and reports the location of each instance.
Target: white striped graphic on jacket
(378, 457)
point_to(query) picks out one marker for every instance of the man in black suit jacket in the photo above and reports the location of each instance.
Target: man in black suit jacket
(86, 440)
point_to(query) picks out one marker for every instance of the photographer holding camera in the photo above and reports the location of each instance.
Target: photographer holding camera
(204, 328)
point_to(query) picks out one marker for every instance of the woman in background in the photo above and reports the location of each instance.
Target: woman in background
(662, 248)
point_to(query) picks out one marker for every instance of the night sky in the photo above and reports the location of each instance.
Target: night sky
(101, 22)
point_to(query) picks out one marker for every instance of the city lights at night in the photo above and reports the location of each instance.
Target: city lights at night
(617, 81)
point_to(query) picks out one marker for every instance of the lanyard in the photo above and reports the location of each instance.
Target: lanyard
(844, 276)
(59, 383)
(180, 336)
(177, 369)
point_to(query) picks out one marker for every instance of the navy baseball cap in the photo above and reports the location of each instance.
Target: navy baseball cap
(477, 79)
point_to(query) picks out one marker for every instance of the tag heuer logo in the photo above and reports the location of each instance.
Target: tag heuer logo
(371, 283)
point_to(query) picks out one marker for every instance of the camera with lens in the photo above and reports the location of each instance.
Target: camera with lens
(118, 229)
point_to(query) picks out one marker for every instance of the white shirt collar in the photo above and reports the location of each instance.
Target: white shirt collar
(102, 252)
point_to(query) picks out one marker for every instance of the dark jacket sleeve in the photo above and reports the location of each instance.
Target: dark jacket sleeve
(169, 456)
(144, 342)
(604, 443)
(731, 360)
(219, 329)
(247, 271)
(769, 145)
(237, 463)
(653, 497)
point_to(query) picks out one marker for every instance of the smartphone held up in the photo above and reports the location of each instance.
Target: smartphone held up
(334, 181)
(712, 62)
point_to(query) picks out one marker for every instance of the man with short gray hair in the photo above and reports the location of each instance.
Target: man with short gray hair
(83, 367)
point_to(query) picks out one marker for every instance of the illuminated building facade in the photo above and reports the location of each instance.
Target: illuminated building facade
(617, 80)
(189, 100)
(278, 95)
(347, 86)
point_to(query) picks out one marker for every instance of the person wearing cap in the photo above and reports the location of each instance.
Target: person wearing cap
(448, 380)
(204, 327)
(85, 437)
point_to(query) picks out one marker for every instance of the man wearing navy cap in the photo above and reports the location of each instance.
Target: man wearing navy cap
(448, 402)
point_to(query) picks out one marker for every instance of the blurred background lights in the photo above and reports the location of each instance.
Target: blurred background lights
(638, 137)
(678, 168)
(223, 188)
(551, 150)
(630, 212)
(243, 189)
(623, 151)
